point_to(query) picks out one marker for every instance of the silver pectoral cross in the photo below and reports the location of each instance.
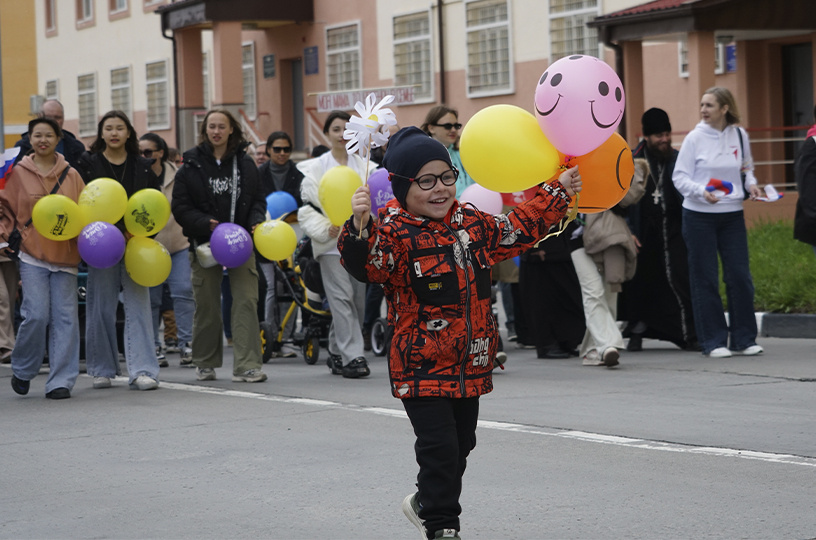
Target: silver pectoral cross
(656, 196)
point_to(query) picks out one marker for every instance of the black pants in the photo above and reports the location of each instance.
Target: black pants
(445, 429)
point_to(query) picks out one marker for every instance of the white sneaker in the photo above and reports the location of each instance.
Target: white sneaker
(610, 357)
(143, 382)
(101, 382)
(753, 350)
(720, 352)
(205, 374)
(410, 508)
(250, 375)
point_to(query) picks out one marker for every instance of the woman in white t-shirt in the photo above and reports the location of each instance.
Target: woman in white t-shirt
(714, 155)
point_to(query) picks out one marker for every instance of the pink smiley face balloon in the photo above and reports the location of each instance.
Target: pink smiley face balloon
(579, 103)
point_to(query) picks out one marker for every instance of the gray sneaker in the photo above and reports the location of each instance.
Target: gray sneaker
(186, 355)
(410, 507)
(250, 375)
(101, 382)
(143, 382)
(162, 359)
(447, 533)
(205, 374)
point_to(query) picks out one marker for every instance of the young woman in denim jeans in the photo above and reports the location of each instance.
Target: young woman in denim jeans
(713, 223)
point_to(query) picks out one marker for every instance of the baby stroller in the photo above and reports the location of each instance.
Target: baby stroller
(299, 278)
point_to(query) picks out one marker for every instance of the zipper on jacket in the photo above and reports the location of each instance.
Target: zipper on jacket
(468, 324)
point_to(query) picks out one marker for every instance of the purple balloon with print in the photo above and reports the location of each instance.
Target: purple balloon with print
(101, 244)
(231, 245)
(381, 191)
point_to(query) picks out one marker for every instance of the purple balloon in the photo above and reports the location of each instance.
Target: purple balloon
(231, 245)
(381, 191)
(101, 244)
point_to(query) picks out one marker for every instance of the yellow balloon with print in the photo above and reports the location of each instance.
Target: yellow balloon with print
(335, 190)
(147, 262)
(103, 199)
(147, 212)
(503, 149)
(57, 217)
(275, 239)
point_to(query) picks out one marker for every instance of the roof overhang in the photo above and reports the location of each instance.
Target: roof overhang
(741, 19)
(254, 14)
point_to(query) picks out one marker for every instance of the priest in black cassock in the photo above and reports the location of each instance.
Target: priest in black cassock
(657, 302)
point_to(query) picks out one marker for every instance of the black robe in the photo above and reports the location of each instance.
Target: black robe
(659, 293)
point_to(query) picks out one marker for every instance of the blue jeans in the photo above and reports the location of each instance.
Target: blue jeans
(707, 235)
(49, 304)
(181, 291)
(101, 346)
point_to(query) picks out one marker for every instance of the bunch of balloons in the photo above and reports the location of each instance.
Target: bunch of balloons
(579, 103)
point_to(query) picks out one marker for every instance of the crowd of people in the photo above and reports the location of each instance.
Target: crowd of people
(621, 273)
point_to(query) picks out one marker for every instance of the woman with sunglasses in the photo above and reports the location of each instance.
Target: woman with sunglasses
(278, 173)
(152, 146)
(115, 154)
(346, 295)
(442, 123)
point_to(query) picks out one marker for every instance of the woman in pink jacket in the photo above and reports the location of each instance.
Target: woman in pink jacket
(48, 268)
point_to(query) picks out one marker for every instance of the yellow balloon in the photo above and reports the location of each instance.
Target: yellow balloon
(147, 262)
(103, 199)
(526, 157)
(335, 190)
(275, 239)
(147, 212)
(57, 217)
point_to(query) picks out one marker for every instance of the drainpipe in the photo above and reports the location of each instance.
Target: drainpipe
(172, 37)
(618, 69)
(440, 22)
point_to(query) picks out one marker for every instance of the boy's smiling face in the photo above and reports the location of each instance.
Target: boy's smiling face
(435, 202)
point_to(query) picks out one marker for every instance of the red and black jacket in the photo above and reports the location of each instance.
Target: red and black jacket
(436, 278)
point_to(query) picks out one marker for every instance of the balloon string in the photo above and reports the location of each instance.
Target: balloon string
(562, 226)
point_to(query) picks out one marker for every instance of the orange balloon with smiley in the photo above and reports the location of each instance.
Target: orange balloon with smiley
(606, 173)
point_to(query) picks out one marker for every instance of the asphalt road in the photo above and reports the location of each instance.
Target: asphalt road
(668, 445)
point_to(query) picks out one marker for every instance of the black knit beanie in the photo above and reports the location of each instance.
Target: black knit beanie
(409, 149)
(655, 121)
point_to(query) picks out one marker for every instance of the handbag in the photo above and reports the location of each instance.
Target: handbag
(204, 251)
(15, 238)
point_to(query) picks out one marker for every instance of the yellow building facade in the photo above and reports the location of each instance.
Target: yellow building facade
(18, 47)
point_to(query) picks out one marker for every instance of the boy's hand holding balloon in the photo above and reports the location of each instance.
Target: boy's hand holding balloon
(571, 180)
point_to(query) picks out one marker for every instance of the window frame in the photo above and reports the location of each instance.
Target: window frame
(358, 48)
(418, 96)
(50, 18)
(205, 75)
(56, 93)
(117, 86)
(249, 75)
(568, 14)
(91, 121)
(149, 82)
(84, 18)
(511, 83)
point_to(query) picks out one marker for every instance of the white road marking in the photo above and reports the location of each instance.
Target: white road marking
(598, 438)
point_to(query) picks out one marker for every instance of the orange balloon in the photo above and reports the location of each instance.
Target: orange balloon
(606, 173)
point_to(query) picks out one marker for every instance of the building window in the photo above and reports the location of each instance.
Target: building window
(50, 16)
(412, 54)
(343, 57)
(248, 72)
(683, 62)
(569, 33)
(158, 103)
(52, 89)
(118, 6)
(120, 90)
(84, 11)
(86, 94)
(489, 58)
(205, 75)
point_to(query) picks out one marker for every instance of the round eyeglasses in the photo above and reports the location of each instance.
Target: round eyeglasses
(427, 182)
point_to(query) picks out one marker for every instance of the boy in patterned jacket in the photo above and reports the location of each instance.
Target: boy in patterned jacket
(433, 257)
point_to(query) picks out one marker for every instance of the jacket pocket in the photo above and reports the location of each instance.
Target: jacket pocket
(434, 280)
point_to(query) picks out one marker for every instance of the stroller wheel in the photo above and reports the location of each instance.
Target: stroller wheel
(267, 341)
(311, 348)
(378, 337)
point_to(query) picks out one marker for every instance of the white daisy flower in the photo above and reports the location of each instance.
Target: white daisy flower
(371, 128)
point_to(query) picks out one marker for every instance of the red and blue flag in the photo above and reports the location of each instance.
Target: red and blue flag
(6, 163)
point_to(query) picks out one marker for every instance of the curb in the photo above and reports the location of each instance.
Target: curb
(787, 325)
